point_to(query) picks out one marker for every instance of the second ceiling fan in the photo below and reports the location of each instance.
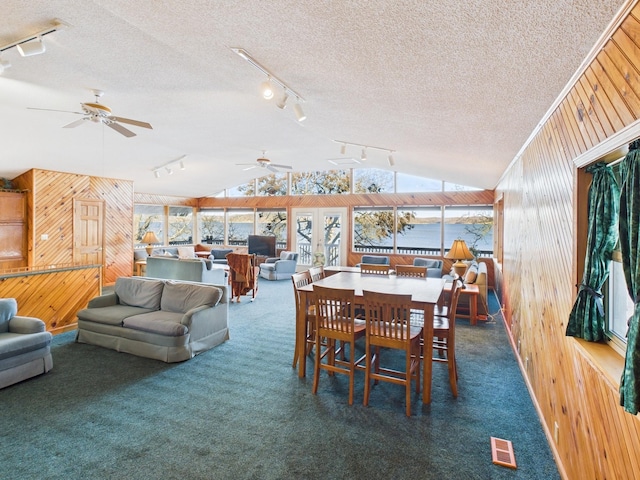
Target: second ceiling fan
(264, 162)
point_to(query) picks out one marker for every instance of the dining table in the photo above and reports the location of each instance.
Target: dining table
(425, 294)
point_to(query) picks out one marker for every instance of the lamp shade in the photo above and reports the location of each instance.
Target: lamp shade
(149, 238)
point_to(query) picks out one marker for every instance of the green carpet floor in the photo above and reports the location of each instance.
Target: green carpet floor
(239, 411)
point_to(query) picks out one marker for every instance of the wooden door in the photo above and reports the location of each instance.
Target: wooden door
(87, 234)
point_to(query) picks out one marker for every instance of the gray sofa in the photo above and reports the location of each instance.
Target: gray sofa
(165, 320)
(192, 270)
(279, 268)
(434, 266)
(219, 255)
(25, 345)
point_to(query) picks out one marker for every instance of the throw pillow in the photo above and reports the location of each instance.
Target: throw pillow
(471, 275)
(186, 252)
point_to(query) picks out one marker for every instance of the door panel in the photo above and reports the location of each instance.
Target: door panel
(88, 223)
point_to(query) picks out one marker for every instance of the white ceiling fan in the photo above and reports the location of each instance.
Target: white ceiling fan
(264, 163)
(98, 113)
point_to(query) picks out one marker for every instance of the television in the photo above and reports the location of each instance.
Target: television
(262, 245)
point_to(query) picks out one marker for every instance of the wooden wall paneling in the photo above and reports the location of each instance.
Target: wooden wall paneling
(118, 226)
(539, 272)
(54, 295)
(13, 229)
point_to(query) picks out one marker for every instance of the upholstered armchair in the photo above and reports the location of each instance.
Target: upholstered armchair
(434, 266)
(279, 268)
(25, 345)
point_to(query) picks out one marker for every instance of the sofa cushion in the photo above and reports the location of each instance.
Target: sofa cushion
(162, 323)
(182, 297)
(113, 315)
(427, 262)
(138, 292)
(8, 310)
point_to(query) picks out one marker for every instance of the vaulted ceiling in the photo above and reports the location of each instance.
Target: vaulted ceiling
(453, 88)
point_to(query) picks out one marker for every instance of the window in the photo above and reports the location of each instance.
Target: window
(320, 183)
(211, 226)
(180, 222)
(373, 230)
(618, 303)
(273, 222)
(372, 180)
(411, 183)
(240, 224)
(272, 185)
(244, 190)
(145, 218)
(419, 230)
(473, 224)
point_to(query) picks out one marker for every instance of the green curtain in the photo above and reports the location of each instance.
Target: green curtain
(587, 318)
(629, 230)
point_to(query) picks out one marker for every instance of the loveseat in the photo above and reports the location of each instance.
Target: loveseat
(192, 270)
(165, 320)
(279, 268)
(25, 345)
(219, 255)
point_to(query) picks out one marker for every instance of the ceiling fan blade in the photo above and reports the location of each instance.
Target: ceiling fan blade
(272, 168)
(53, 110)
(76, 123)
(120, 129)
(137, 123)
(288, 167)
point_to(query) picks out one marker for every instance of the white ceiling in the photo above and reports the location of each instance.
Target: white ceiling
(455, 88)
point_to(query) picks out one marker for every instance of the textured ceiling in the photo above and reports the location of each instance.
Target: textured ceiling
(455, 88)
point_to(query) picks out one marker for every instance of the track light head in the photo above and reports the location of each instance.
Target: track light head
(392, 162)
(32, 47)
(182, 167)
(363, 155)
(169, 170)
(343, 149)
(267, 89)
(282, 103)
(300, 115)
(156, 173)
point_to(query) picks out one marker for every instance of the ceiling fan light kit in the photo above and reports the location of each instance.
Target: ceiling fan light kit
(266, 86)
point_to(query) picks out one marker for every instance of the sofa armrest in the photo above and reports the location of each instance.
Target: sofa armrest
(286, 266)
(105, 300)
(272, 260)
(19, 324)
(204, 320)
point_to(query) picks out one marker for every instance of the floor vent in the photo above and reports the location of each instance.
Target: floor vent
(502, 452)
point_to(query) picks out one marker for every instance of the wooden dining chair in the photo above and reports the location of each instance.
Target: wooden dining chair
(444, 338)
(388, 326)
(300, 280)
(317, 273)
(244, 275)
(374, 269)
(336, 327)
(411, 271)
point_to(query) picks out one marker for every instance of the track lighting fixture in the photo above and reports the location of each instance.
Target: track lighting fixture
(167, 167)
(363, 153)
(34, 44)
(271, 79)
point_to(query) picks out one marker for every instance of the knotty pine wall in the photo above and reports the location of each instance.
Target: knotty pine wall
(50, 211)
(542, 265)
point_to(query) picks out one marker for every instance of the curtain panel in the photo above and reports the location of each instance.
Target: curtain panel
(629, 231)
(587, 318)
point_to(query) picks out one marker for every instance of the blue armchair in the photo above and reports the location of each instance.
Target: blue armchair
(434, 266)
(374, 260)
(279, 268)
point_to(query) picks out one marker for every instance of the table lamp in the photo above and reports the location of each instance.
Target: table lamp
(459, 251)
(149, 238)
